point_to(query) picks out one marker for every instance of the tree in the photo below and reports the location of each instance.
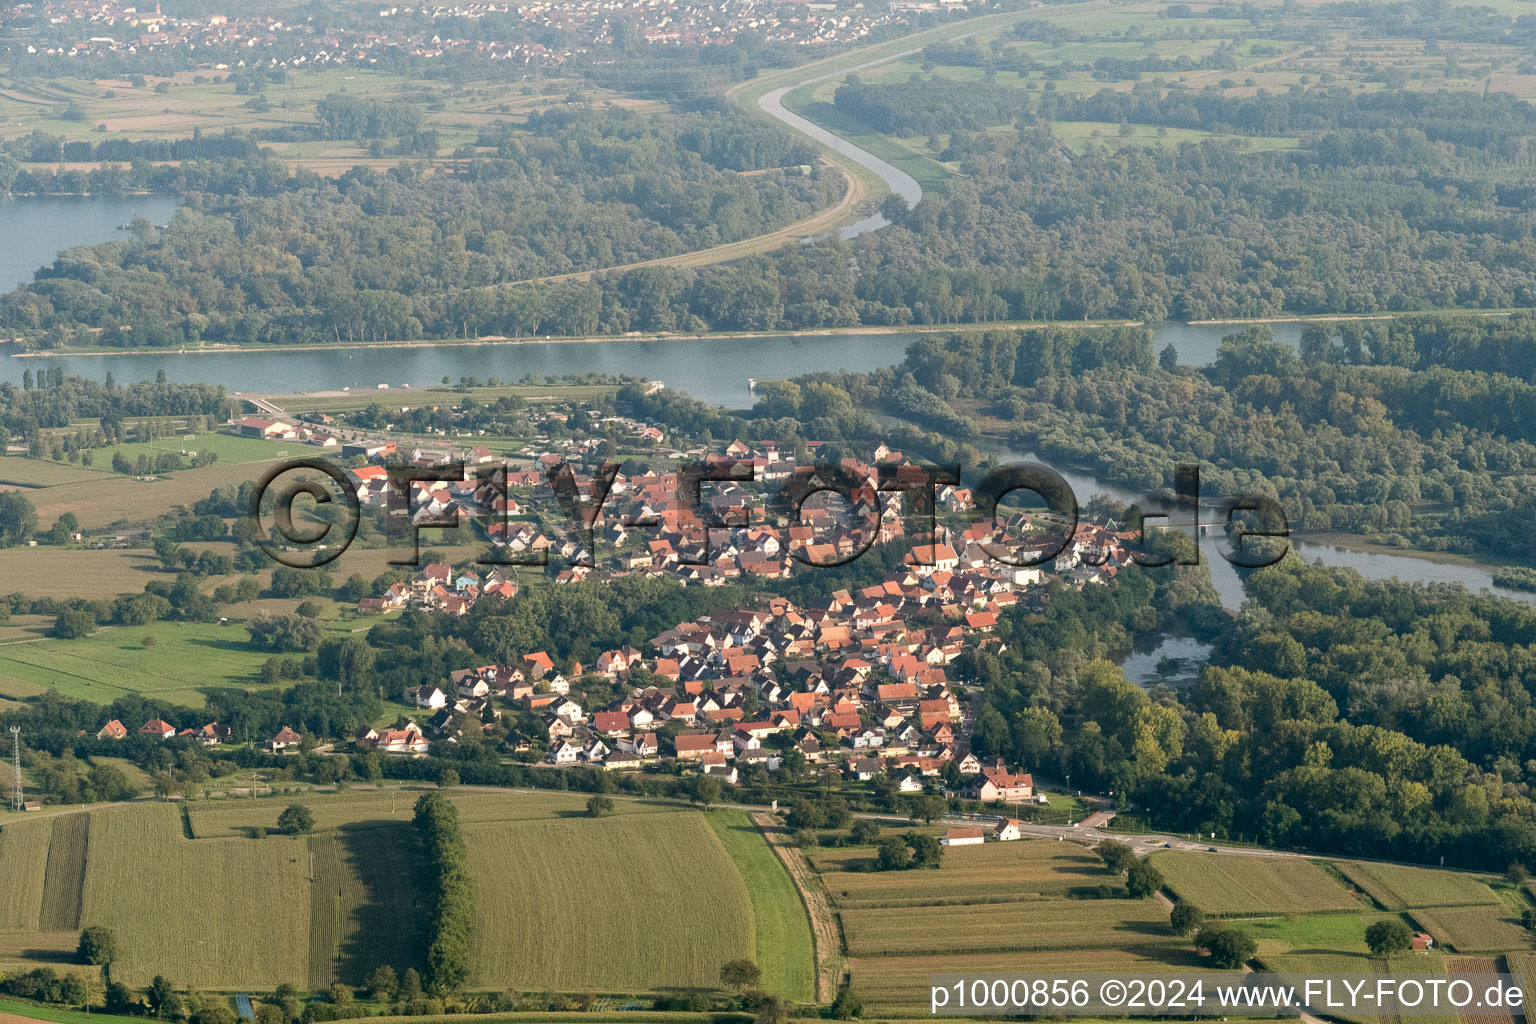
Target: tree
(98, 946)
(119, 999)
(1143, 879)
(1186, 918)
(1168, 358)
(296, 820)
(1117, 857)
(771, 1011)
(1229, 949)
(410, 984)
(74, 990)
(894, 855)
(847, 1005)
(706, 791)
(161, 996)
(929, 809)
(18, 519)
(1516, 873)
(447, 778)
(927, 851)
(1388, 937)
(740, 974)
(865, 832)
(74, 623)
(382, 983)
(599, 806)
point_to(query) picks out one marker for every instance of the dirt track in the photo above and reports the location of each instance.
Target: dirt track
(817, 223)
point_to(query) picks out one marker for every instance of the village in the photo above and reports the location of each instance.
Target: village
(236, 39)
(853, 687)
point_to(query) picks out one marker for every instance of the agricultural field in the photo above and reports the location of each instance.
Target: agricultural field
(1252, 886)
(1138, 926)
(990, 872)
(95, 575)
(782, 931)
(1474, 929)
(1321, 964)
(24, 857)
(554, 906)
(1397, 886)
(188, 105)
(360, 809)
(899, 984)
(335, 904)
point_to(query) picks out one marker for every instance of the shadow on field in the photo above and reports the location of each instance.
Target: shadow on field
(383, 859)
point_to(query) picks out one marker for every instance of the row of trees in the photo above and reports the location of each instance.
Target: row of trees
(450, 894)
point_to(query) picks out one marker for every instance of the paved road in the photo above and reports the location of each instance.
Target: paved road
(896, 179)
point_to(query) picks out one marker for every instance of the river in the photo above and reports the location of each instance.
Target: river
(712, 370)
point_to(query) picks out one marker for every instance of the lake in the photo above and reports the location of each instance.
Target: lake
(37, 228)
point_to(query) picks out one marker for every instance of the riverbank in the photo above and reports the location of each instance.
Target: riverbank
(1334, 318)
(634, 336)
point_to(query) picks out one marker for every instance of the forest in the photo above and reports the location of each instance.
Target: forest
(1396, 200)
(404, 254)
(1381, 719)
(1414, 431)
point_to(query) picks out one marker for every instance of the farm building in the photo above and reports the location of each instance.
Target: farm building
(964, 837)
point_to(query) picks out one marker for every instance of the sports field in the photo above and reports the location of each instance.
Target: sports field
(647, 899)
(1252, 886)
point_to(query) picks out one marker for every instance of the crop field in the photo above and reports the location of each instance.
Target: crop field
(899, 984)
(19, 471)
(361, 809)
(362, 904)
(621, 904)
(1474, 929)
(64, 875)
(1321, 964)
(89, 573)
(221, 913)
(109, 498)
(555, 907)
(993, 871)
(1252, 886)
(782, 932)
(23, 859)
(1131, 925)
(1397, 886)
(1481, 965)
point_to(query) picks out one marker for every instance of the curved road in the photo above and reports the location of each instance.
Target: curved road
(896, 179)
